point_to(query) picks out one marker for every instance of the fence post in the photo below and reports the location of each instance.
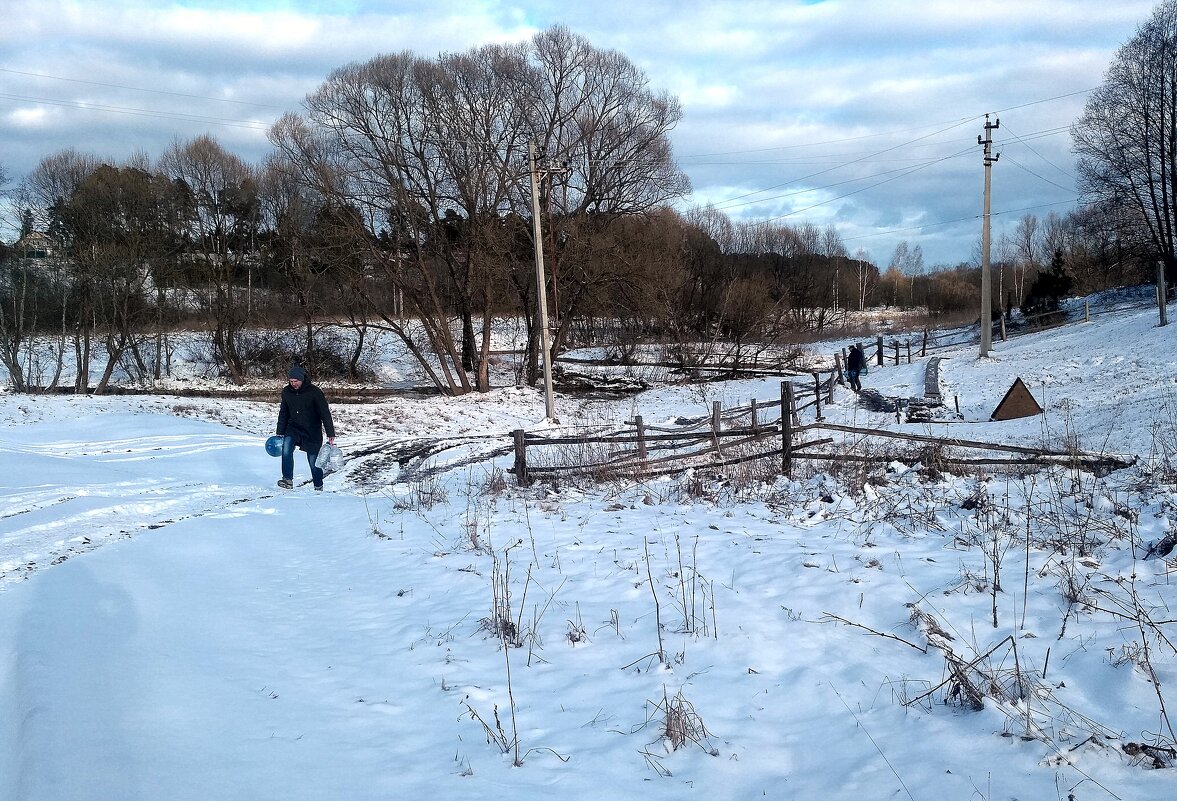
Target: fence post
(755, 433)
(715, 424)
(924, 349)
(520, 469)
(838, 369)
(880, 351)
(897, 353)
(830, 389)
(1086, 311)
(1162, 294)
(787, 428)
(641, 436)
(817, 396)
(909, 351)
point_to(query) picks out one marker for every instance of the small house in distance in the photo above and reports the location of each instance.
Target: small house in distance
(33, 245)
(1018, 402)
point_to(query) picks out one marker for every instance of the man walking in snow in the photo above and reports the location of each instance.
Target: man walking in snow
(302, 418)
(855, 364)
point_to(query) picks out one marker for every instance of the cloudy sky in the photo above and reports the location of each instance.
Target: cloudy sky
(862, 114)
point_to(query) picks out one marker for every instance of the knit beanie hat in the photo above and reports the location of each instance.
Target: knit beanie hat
(297, 372)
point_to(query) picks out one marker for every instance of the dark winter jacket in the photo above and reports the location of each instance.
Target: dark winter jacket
(304, 415)
(856, 359)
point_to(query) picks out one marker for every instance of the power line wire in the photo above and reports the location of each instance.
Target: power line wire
(1046, 100)
(1036, 175)
(846, 164)
(872, 186)
(140, 112)
(954, 124)
(137, 88)
(730, 202)
(923, 163)
(1039, 155)
(841, 158)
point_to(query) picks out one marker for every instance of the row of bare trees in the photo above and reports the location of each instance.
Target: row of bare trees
(202, 238)
(1081, 246)
(131, 248)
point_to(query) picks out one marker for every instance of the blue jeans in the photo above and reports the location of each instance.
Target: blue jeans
(288, 462)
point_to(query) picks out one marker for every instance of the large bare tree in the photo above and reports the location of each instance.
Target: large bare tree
(1127, 139)
(377, 137)
(434, 154)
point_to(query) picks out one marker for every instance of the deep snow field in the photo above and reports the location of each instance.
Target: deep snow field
(173, 626)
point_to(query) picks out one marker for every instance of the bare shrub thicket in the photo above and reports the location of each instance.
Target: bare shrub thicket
(1001, 677)
(424, 493)
(269, 353)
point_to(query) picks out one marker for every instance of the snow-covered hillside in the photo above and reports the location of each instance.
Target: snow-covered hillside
(173, 626)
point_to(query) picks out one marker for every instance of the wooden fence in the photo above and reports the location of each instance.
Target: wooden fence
(648, 451)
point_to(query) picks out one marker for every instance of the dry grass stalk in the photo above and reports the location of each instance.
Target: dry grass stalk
(681, 724)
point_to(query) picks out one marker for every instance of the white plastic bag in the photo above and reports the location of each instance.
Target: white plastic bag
(330, 459)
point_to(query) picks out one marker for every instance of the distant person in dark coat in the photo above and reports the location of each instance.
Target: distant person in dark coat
(302, 418)
(855, 365)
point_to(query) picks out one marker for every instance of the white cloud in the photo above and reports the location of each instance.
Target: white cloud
(29, 117)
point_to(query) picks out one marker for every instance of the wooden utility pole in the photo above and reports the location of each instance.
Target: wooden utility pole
(986, 278)
(541, 288)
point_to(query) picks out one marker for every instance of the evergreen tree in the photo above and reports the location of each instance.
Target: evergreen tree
(1049, 287)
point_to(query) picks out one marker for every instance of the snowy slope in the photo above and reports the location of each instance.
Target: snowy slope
(174, 626)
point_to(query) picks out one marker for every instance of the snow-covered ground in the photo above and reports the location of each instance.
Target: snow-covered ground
(173, 626)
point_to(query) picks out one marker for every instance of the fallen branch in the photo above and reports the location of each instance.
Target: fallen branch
(830, 616)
